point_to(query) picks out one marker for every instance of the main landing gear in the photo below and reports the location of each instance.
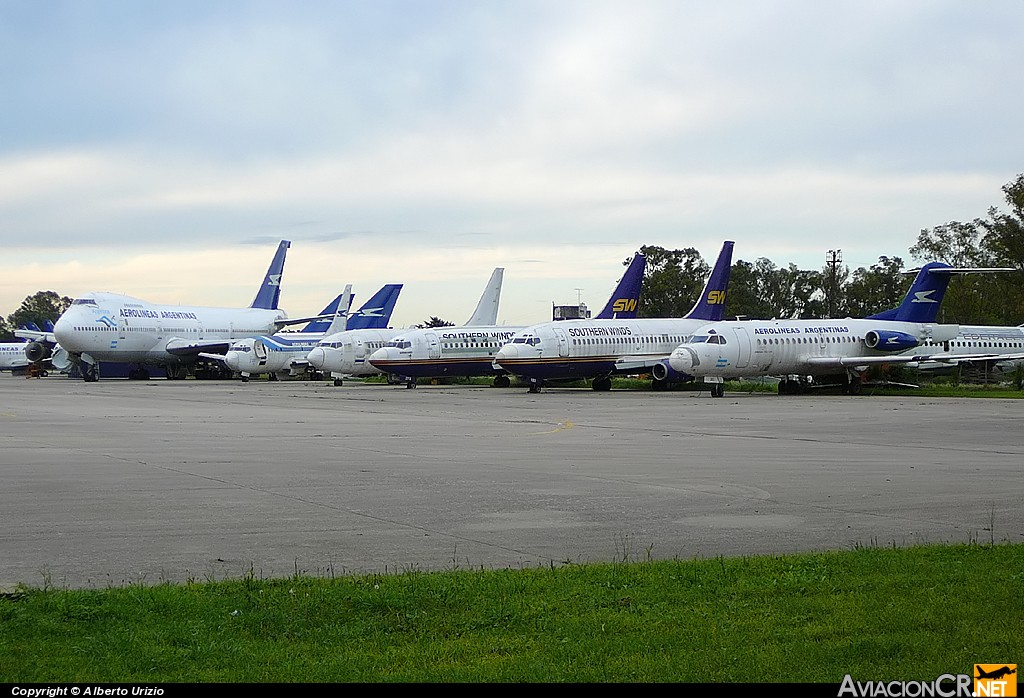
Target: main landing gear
(602, 383)
(502, 381)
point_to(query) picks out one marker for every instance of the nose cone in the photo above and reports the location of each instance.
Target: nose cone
(507, 352)
(683, 360)
(63, 331)
(231, 361)
(385, 356)
(317, 357)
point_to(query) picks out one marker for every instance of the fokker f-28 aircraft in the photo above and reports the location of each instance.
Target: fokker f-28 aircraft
(346, 353)
(113, 327)
(599, 349)
(796, 349)
(288, 351)
(470, 350)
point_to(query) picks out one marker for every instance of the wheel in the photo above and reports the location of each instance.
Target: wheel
(718, 390)
(245, 379)
(272, 377)
(855, 386)
(502, 382)
(410, 384)
(659, 384)
(338, 382)
(534, 387)
(602, 383)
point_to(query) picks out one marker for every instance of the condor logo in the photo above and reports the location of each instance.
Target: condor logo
(624, 305)
(716, 297)
(995, 680)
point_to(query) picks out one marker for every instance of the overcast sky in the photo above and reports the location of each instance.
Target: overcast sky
(161, 149)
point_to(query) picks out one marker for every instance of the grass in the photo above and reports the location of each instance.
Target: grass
(875, 613)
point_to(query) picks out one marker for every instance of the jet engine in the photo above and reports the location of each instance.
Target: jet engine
(889, 340)
(37, 351)
(663, 372)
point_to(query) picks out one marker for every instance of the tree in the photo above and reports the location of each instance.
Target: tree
(435, 321)
(6, 334)
(38, 308)
(1003, 241)
(673, 280)
(878, 288)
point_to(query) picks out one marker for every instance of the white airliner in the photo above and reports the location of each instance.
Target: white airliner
(113, 327)
(12, 356)
(796, 349)
(347, 353)
(470, 350)
(598, 349)
(287, 352)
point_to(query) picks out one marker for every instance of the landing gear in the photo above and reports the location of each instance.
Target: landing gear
(410, 383)
(718, 390)
(139, 373)
(90, 373)
(502, 381)
(788, 386)
(272, 376)
(535, 385)
(338, 382)
(853, 385)
(245, 377)
(659, 384)
(602, 383)
(174, 372)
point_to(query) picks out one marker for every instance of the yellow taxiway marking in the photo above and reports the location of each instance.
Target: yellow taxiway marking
(562, 426)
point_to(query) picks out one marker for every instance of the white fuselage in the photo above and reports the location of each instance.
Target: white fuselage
(797, 347)
(587, 348)
(273, 354)
(113, 327)
(12, 355)
(347, 353)
(444, 351)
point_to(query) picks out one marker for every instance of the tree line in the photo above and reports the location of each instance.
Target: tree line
(761, 290)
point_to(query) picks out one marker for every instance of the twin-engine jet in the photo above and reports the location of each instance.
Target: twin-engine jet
(287, 352)
(795, 349)
(470, 350)
(346, 353)
(597, 349)
(113, 327)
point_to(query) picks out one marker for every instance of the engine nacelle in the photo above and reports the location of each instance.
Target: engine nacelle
(663, 372)
(889, 340)
(37, 351)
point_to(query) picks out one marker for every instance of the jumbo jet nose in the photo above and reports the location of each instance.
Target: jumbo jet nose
(317, 357)
(63, 331)
(683, 359)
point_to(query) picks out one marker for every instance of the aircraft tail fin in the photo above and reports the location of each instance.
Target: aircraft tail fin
(486, 312)
(921, 304)
(625, 299)
(376, 312)
(270, 290)
(711, 304)
(341, 304)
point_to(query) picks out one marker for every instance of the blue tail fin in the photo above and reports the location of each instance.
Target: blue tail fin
(48, 326)
(342, 299)
(625, 300)
(270, 291)
(32, 326)
(921, 304)
(376, 312)
(711, 304)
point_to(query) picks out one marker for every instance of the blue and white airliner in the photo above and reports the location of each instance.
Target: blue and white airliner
(796, 349)
(597, 349)
(470, 350)
(347, 353)
(286, 353)
(104, 326)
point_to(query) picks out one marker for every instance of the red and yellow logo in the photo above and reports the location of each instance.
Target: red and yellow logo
(995, 680)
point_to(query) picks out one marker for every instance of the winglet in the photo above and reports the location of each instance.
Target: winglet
(625, 299)
(711, 304)
(376, 312)
(270, 291)
(486, 312)
(921, 304)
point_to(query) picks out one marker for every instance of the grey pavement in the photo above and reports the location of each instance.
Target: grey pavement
(124, 482)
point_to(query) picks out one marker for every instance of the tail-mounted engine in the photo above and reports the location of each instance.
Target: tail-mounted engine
(889, 340)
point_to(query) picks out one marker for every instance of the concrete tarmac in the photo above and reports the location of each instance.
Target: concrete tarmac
(142, 482)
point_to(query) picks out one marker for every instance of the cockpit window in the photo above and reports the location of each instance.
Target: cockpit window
(84, 301)
(698, 339)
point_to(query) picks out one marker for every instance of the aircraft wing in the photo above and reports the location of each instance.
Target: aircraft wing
(35, 335)
(215, 357)
(284, 322)
(183, 347)
(637, 364)
(846, 361)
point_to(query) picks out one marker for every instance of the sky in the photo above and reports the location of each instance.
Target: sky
(161, 149)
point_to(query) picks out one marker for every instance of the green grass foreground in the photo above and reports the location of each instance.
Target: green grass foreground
(873, 613)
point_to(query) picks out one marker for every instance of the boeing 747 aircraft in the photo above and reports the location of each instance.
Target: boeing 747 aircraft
(113, 327)
(598, 349)
(346, 353)
(288, 352)
(470, 350)
(795, 349)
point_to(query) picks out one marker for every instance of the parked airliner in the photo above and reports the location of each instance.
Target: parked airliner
(286, 352)
(12, 356)
(346, 353)
(796, 349)
(598, 349)
(113, 327)
(470, 350)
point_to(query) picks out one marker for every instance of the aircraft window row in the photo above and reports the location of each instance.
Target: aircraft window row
(822, 339)
(675, 340)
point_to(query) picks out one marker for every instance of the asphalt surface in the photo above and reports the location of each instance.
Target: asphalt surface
(142, 482)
